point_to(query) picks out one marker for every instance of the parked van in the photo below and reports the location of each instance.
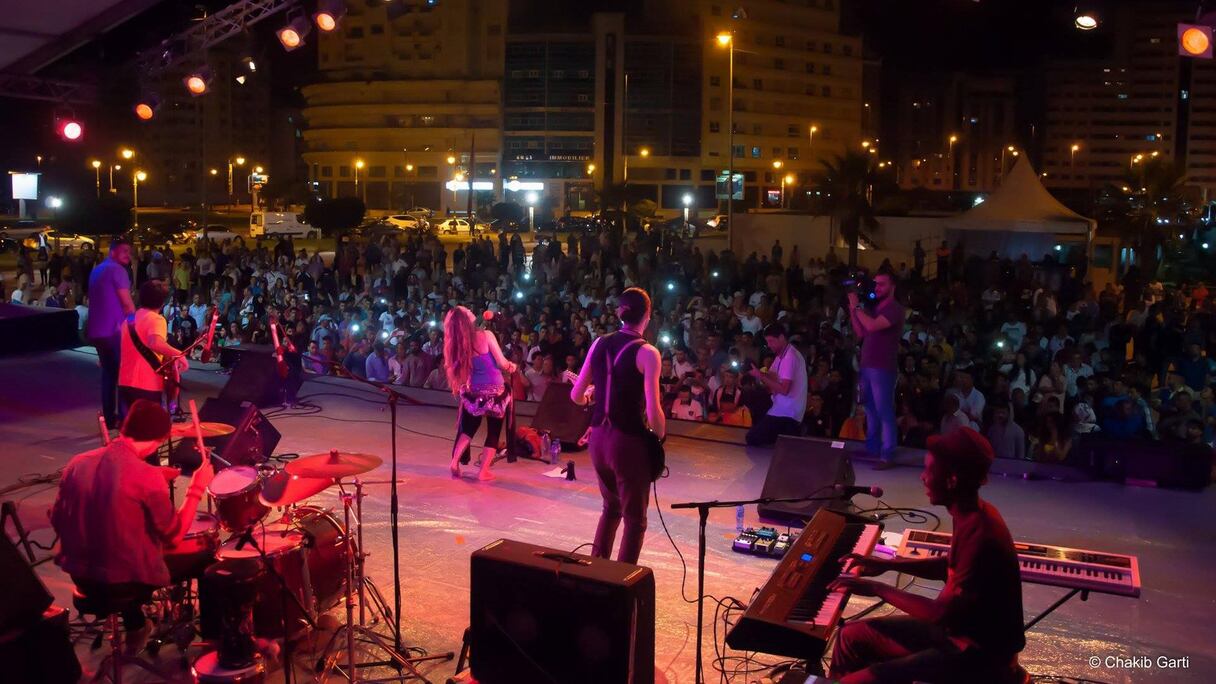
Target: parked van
(280, 223)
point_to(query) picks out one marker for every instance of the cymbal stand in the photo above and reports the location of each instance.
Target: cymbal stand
(355, 580)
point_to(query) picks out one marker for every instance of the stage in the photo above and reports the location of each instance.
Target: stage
(48, 412)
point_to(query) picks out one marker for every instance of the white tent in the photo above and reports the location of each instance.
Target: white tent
(1020, 217)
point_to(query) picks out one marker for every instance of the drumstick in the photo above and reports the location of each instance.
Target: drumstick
(198, 431)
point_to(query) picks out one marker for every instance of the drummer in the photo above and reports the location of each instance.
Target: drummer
(114, 517)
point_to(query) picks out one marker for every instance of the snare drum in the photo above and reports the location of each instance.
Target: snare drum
(235, 492)
(196, 550)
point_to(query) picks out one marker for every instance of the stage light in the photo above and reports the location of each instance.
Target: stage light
(329, 14)
(198, 81)
(69, 129)
(1085, 18)
(1195, 40)
(292, 35)
(146, 107)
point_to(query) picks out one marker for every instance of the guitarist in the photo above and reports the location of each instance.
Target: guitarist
(625, 372)
(145, 350)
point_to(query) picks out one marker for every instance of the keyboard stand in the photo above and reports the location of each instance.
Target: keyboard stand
(1050, 609)
(703, 518)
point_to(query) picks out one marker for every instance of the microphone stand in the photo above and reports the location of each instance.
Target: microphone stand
(703, 519)
(391, 397)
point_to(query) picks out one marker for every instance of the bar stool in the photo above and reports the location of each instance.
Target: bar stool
(107, 607)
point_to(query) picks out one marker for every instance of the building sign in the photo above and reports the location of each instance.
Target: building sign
(25, 185)
(550, 157)
(512, 185)
(720, 186)
(257, 180)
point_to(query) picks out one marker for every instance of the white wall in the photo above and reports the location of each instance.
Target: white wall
(896, 236)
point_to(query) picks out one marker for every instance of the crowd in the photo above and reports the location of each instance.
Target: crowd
(1024, 351)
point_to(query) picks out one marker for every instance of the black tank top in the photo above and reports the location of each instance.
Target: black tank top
(628, 391)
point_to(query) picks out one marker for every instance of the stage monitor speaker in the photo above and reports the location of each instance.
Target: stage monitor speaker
(545, 615)
(27, 598)
(256, 378)
(805, 466)
(561, 417)
(41, 653)
(252, 443)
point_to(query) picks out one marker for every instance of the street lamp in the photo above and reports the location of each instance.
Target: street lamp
(127, 153)
(590, 169)
(531, 198)
(726, 39)
(788, 179)
(96, 163)
(777, 163)
(239, 161)
(953, 171)
(451, 159)
(136, 178)
(113, 168)
(687, 205)
(1072, 154)
(358, 165)
(645, 151)
(811, 142)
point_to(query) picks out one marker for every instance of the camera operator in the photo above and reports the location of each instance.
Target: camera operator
(879, 333)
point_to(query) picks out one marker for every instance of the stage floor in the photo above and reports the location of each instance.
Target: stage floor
(48, 413)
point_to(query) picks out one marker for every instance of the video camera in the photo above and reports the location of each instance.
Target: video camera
(860, 282)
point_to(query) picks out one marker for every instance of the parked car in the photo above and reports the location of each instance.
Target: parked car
(218, 232)
(572, 224)
(55, 239)
(407, 222)
(172, 232)
(22, 228)
(421, 212)
(454, 226)
(280, 223)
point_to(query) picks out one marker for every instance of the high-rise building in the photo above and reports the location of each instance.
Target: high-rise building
(952, 132)
(408, 99)
(574, 104)
(1107, 115)
(191, 136)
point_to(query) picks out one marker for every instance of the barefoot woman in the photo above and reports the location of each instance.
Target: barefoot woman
(473, 361)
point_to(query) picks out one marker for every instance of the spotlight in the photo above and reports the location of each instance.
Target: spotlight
(198, 81)
(329, 13)
(69, 128)
(292, 35)
(146, 107)
(1085, 18)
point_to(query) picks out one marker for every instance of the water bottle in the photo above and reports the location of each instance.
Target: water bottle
(555, 450)
(739, 519)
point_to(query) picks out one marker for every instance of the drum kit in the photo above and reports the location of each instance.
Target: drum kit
(263, 579)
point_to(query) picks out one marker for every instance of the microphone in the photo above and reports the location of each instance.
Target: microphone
(849, 491)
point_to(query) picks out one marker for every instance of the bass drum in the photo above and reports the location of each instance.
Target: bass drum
(307, 549)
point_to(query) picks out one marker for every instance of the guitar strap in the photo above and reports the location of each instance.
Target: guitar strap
(148, 355)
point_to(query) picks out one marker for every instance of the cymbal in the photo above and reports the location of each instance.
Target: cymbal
(208, 429)
(284, 489)
(334, 465)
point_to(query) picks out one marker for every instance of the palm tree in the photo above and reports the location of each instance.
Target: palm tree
(847, 183)
(1155, 189)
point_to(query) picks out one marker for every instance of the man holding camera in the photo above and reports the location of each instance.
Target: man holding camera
(879, 333)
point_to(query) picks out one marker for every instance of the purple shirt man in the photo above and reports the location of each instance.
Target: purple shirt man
(109, 304)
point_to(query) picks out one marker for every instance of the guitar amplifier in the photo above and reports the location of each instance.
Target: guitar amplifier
(544, 615)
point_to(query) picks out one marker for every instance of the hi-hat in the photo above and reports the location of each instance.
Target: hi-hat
(208, 429)
(284, 489)
(334, 465)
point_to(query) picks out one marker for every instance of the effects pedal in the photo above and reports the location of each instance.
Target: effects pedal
(765, 542)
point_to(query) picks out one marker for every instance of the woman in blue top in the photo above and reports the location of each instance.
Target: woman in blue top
(475, 364)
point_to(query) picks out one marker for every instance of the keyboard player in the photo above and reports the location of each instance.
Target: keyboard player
(972, 631)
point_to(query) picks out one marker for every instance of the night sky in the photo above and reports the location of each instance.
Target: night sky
(908, 35)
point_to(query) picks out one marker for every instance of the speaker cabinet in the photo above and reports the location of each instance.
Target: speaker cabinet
(255, 376)
(805, 466)
(561, 417)
(545, 615)
(252, 443)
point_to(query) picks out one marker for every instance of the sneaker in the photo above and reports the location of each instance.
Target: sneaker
(883, 465)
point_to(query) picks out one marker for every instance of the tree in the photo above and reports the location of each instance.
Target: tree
(335, 215)
(847, 185)
(1156, 189)
(642, 209)
(106, 215)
